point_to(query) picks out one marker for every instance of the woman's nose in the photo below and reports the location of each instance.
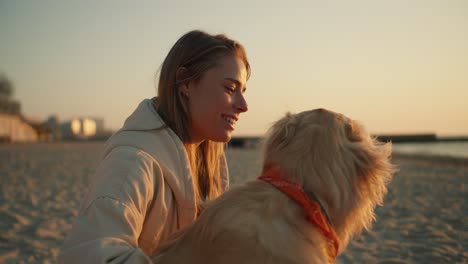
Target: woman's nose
(241, 104)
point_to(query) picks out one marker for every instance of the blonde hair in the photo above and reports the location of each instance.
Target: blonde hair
(196, 52)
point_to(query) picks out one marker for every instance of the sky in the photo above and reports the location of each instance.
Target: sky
(398, 67)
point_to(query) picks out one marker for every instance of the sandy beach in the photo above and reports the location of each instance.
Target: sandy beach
(423, 220)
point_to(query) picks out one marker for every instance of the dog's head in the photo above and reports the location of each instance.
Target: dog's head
(333, 157)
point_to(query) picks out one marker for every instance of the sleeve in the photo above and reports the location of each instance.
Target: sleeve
(112, 214)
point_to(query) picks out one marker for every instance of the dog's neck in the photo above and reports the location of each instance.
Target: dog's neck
(313, 197)
(313, 209)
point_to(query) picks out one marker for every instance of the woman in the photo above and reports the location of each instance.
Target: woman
(167, 159)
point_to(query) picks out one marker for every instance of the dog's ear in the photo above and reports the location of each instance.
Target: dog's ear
(353, 132)
(278, 140)
(370, 155)
(361, 146)
(283, 131)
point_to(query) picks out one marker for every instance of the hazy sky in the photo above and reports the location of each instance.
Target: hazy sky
(396, 66)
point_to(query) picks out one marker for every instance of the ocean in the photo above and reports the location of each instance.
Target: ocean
(453, 149)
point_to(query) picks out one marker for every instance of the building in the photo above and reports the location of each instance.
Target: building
(13, 126)
(84, 128)
(79, 128)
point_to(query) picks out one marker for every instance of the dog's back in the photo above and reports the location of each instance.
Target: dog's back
(253, 223)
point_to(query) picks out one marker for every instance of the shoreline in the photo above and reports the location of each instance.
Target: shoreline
(457, 161)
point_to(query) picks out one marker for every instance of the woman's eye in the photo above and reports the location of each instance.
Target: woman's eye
(230, 89)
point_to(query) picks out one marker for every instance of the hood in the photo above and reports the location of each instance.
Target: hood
(145, 130)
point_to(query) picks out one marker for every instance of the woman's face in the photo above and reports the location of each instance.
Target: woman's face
(216, 100)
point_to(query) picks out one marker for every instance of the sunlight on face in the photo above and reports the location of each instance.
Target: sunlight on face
(217, 100)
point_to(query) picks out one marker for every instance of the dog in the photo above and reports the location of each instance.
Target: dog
(322, 177)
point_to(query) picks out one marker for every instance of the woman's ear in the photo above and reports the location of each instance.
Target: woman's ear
(181, 81)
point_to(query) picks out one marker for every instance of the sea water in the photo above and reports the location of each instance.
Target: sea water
(453, 149)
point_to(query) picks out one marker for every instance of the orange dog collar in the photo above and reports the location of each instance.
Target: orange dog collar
(312, 209)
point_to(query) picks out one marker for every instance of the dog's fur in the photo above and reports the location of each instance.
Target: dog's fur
(330, 156)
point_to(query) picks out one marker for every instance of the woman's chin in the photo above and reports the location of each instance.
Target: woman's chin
(224, 138)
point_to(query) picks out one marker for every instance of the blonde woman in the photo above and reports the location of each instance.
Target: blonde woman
(167, 158)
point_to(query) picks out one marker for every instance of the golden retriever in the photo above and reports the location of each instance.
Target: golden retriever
(323, 156)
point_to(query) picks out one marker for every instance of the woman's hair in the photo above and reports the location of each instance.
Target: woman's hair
(196, 52)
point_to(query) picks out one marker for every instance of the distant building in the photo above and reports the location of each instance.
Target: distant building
(53, 125)
(14, 129)
(13, 126)
(79, 128)
(84, 128)
(99, 125)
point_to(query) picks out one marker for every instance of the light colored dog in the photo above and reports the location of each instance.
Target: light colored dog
(323, 176)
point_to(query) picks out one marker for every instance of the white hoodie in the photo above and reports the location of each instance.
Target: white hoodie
(141, 194)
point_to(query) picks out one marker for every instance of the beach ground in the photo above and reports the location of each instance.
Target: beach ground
(423, 219)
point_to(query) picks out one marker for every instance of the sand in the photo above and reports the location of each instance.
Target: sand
(423, 220)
